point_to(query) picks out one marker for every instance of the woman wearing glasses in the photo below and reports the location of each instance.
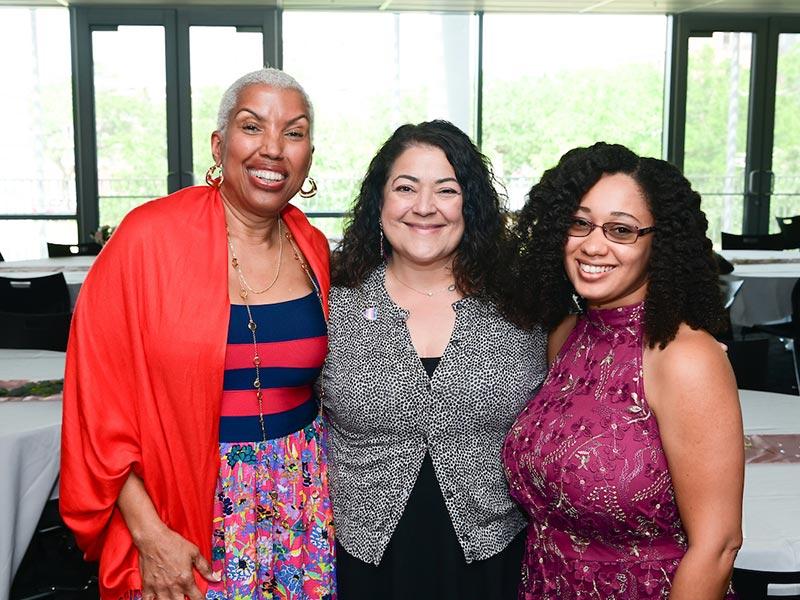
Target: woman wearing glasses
(629, 460)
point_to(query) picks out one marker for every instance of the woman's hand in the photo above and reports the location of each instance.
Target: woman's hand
(167, 560)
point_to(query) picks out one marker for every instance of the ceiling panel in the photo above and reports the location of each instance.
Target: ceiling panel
(527, 6)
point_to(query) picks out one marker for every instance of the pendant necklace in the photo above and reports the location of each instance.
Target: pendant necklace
(245, 288)
(429, 294)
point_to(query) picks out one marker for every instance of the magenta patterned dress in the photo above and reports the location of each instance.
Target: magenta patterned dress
(584, 459)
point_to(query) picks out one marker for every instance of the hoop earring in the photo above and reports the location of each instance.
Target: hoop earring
(382, 248)
(309, 193)
(213, 181)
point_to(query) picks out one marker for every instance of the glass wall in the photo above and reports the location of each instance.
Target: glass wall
(218, 55)
(785, 200)
(36, 149)
(553, 82)
(717, 104)
(367, 73)
(130, 118)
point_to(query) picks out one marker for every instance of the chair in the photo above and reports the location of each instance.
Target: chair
(53, 565)
(790, 230)
(772, 241)
(84, 249)
(47, 331)
(729, 286)
(724, 266)
(749, 359)
(35, 295)
(753, 585)
(789, 330)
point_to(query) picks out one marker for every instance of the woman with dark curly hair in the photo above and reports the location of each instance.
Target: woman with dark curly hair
(629, 461)
(424, 377)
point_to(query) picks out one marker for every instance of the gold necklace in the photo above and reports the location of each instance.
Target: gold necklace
(235, 262)
(449, 288)
(251, 324)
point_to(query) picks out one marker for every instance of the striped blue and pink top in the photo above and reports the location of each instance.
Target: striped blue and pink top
(292, 339)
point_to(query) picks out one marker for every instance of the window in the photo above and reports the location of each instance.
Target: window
(717, 103)
(37, 181)
(553, 82)
(368, 73)
(785, 201)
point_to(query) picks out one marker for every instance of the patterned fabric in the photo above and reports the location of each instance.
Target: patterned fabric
(273, 531)
(385, 414)
(292, 341)
(585, 461)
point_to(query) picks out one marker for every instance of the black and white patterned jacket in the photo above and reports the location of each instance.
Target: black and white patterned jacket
(384, 414)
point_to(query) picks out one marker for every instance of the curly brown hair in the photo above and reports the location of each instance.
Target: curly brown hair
(682, 272)
(482, 253)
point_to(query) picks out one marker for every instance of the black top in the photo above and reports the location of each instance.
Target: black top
(424, 559)
(430, 364)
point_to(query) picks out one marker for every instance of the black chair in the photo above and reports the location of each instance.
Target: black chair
(749, 359)
(724, 267)
(729, 286)
(47, 331)
(84, 249)
(790, 230)
(772, 241)
(789, 330)
(53, 565)
(753, 585)
(35, 295)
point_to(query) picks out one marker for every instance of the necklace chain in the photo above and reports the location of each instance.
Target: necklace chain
(242, 281)
(449, 288)
(251, 324)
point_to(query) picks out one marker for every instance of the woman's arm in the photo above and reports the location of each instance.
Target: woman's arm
(692, 391)
(166, 560)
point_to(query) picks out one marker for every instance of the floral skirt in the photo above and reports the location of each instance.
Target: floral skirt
(273, 522)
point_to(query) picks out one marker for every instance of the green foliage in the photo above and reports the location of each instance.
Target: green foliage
(529, 122)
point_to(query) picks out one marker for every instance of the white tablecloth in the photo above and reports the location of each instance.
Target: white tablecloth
(30, 438)
(766, 294)
(73, 267)
(771, 518)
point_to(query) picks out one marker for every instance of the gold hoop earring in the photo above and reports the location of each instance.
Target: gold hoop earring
(213, 181)
(308, 193)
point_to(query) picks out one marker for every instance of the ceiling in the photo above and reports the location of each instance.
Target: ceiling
(785, 7)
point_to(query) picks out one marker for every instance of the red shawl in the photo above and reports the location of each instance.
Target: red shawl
(144, 371)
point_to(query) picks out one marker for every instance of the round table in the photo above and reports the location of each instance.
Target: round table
(771, 508)
(30, 447)
(769, 276)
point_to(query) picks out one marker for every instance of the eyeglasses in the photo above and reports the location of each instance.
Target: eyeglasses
(619, 233)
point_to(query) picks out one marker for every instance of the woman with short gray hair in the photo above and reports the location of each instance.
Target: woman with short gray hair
(194, 460)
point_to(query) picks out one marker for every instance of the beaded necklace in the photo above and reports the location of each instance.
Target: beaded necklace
(251, 324)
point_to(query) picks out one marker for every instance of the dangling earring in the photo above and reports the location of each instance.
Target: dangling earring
(213, 181)
(312, 191)
(382, 248)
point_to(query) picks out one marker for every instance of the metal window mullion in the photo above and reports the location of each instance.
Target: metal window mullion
(83, 115)
(760, 118)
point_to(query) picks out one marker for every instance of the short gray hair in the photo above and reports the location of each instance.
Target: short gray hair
(267, 76)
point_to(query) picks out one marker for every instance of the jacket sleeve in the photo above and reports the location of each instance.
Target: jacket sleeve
(100, 440)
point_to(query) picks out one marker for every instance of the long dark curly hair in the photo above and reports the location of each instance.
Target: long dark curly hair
(483, 250)
(682, 272)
